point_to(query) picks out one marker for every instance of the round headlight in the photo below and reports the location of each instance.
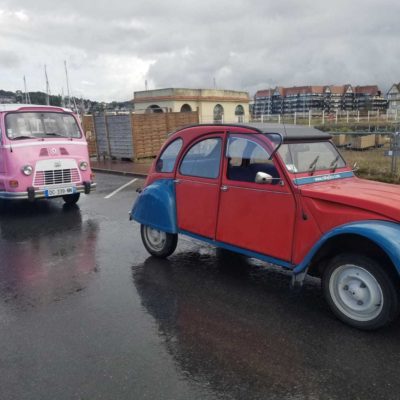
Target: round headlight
(83, 165)
(27, 170)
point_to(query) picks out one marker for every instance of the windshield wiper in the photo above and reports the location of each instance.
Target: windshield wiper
(334, 163)
(53, 134)
(313, 165)
(23, 137)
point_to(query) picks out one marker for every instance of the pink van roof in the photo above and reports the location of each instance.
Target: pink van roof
(31, 107)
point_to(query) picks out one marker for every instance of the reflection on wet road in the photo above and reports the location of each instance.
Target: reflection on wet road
(37, 241)
(242, 331)
(85, 313)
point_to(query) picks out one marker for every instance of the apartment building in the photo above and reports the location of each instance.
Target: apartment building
(331, 98)
(393, 96)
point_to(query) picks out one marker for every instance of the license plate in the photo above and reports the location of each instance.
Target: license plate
(59, 191)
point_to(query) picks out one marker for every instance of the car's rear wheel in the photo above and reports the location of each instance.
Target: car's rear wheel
(158, 243)
(360, 292)
(71, 198)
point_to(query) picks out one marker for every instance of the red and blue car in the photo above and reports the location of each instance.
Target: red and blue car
(285, 196)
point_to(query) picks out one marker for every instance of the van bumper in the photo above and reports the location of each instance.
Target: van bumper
(32, 193)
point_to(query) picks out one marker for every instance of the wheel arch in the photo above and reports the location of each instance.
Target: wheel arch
(351, 243)
(156, 206)
(376, 239)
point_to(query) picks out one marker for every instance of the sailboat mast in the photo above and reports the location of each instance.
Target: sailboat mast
(66, 75)
(47, 86)
(27, 97)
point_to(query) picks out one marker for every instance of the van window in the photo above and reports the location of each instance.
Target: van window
(31, 125)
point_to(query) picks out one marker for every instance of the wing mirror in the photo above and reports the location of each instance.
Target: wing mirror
(263, 177)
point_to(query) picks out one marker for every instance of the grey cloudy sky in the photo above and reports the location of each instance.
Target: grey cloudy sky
(112, 47)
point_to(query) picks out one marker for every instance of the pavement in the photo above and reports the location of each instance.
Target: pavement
(129, 168)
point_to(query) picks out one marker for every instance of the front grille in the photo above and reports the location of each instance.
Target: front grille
(56, 177)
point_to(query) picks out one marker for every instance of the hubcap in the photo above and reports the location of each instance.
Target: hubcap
(155, 238)
(356, 292)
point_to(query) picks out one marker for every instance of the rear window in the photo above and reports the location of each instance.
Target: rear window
(166, 162)
(31, 125)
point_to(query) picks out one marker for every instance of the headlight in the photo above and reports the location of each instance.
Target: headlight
(83, 165)
(27, 170)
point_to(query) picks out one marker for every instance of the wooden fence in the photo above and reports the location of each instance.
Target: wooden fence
(132, 136)
(88, 129)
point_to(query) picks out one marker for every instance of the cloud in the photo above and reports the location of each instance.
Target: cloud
(242, 45)
(9, 59)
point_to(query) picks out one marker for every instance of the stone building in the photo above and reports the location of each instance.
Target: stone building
(214, 106)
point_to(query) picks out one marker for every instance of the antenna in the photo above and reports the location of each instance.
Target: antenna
(66, 75)
(47, 86)
(145, 85)
(27, 97)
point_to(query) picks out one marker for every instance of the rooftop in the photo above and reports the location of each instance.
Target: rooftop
(22, 107)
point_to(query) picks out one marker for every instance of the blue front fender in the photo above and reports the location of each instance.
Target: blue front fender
(385, 234)
(156, 206)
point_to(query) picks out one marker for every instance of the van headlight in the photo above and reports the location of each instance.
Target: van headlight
(27, 170)
(83, 165)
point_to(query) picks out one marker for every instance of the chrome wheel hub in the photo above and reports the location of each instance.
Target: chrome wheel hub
(155, 238)
(356, 292)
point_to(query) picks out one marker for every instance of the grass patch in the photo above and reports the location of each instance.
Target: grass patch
(372, 164)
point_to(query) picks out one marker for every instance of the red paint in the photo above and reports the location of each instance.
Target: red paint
(283, 220)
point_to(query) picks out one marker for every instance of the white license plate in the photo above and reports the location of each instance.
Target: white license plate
(59, 191)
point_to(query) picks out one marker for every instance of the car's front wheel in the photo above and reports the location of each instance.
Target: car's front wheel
(158, 243)
(360, 292)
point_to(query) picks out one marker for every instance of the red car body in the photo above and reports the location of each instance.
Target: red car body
(302, 216)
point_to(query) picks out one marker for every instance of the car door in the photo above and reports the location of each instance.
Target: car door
(254, 216)
(197, 186)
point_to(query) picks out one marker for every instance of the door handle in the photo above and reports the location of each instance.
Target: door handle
(177, 181)
(224, 188)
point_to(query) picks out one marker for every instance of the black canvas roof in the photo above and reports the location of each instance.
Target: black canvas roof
(290, 132)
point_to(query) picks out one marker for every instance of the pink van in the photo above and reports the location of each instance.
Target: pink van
(43, 154)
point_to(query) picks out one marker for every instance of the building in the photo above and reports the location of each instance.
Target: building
(213, 106)
(393, 96)
(331, 98)
(369, 98)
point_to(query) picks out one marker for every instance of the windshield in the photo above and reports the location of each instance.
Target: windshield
(32, 125)
(309, 157)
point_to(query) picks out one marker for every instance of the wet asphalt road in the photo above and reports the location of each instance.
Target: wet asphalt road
(85, 313)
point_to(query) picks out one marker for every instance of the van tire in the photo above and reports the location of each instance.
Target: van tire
(71, 198)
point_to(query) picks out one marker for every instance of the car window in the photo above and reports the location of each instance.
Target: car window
(246, 158)
(166, 161)
(203, 159)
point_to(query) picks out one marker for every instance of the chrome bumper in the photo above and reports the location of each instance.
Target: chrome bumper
(40, 193)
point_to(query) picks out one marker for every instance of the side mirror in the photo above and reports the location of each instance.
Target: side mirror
(263, 177)
(355, 167)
